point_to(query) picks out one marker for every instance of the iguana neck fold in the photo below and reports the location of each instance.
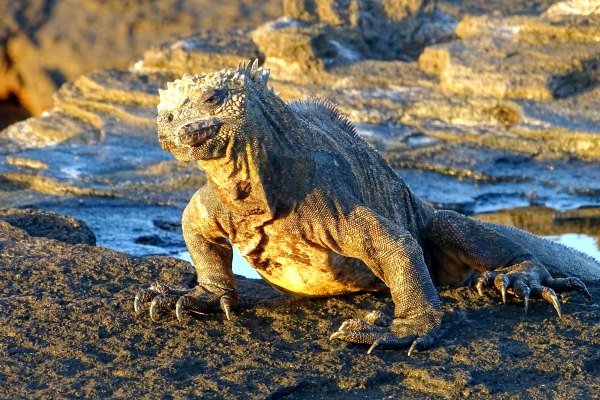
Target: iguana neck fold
(249, 174)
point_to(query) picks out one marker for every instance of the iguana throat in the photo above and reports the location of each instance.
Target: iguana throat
(257, 168)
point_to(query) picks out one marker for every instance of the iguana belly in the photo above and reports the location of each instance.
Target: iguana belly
(301, 268)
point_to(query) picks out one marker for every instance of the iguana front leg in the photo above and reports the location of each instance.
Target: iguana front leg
(397, 259)
(212, 256)
(500, 259)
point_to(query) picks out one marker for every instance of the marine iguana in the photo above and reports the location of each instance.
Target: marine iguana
(318, 212)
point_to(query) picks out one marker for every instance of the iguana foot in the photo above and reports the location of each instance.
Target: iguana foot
(377, 329)
(202, 299)
(526, 280)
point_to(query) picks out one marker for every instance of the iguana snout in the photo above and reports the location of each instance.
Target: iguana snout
(197, 133)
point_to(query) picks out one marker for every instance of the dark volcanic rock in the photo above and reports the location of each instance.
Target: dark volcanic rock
(49, 225)
(67, 329)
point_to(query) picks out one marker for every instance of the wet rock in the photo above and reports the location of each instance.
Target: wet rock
(106, 118)
(47, 130)
(169, 226)
(26, 162)
(548, 221)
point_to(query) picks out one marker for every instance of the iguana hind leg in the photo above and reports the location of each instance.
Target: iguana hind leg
(500, 260)
(379, 330)
(396, 257)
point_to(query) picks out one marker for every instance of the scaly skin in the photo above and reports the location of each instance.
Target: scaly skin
(318, 212)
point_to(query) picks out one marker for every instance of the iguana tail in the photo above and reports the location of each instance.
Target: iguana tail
(560, 260)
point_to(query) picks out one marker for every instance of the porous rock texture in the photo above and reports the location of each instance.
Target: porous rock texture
(68, 330)
(526, 136)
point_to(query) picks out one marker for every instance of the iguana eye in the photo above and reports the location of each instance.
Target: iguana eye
(215, 97)
(170, 117)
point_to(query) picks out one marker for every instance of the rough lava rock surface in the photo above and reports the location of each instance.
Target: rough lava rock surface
(68, 330)
(68, 327)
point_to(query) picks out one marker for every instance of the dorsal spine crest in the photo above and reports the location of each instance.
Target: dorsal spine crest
(329, 108)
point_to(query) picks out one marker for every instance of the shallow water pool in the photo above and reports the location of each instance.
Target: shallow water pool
(240, 266)
(579, 241)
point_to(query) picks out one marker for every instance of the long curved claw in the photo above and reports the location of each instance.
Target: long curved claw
(549, 295)
(522, 290)
(137, 302)
(571, 283)
(201, 299)
(154, 310)
(179, 307)
(581, 288)
(530, 279)
(354, 336)
(141, 297)
(427, 341)
(502, 283)
(484, 280)
(479, 286)
(389, 339)
(191, 304)
(359, 331)
(375, 344)
(398, 334)
(160, 303)
(225, 304)
(412, 348)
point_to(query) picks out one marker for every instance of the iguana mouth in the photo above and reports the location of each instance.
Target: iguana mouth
(196, 133)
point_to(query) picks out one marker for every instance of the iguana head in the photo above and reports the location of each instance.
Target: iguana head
(200, 115)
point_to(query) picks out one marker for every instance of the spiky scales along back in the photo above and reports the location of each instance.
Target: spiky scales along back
(330, 123)
(323, 108)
